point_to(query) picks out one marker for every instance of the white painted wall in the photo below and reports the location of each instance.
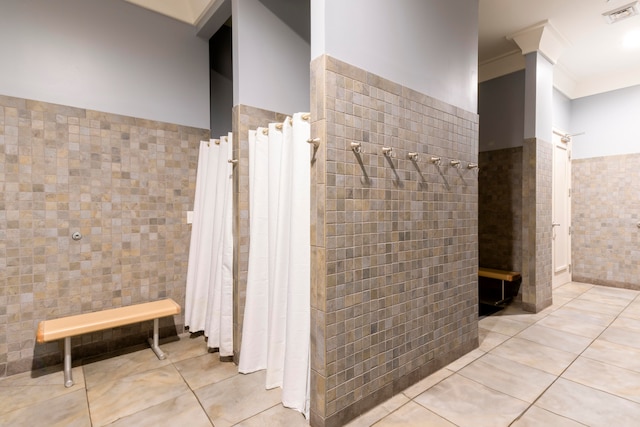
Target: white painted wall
(427, 45)
(561, 112)
(108, 56)
(270, 61)
(610, 121)
(538, 97)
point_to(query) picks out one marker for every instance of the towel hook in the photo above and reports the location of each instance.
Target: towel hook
(357, 147)
(388, 151)
(413, 156)
(455, 163)
(435, 160)
(472, 166)
(314, 141)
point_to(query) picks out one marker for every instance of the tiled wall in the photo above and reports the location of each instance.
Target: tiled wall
(605, 214)
(394, 244)
(537, 176)
(245, 118)
(125, 184)
(500, 209)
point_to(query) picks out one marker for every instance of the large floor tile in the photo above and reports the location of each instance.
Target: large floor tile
(68, 410)
(605, 377)
(572, 289)
(204, 370)
(185, 347)
(622, 336)
(276, 416)
(612, 304)
(379, 412)
(626, 323)
(413, 415)
(466, 403)
(568, 321)
(230, 401)
(618, 355)
(555, 338)
(183, 410)
(503, 325)
(633, 310)
(538, 417)
(594, 306)
(20, 391)
(489, 339)
(112, 400)
(535, 355)
(589, 406)
(121, 366)
(463, 361)
(425, 384)
(509, 377)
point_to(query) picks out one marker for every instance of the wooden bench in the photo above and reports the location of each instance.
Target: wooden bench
(70, 326)
(502, 275)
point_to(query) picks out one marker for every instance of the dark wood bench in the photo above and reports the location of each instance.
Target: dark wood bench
(70, 326)
(503, 276)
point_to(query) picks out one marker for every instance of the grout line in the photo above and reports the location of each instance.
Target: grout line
(576, 358)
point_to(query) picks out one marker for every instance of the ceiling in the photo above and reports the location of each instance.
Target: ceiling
(595, 57)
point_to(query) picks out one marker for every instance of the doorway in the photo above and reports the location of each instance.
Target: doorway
(561, 226)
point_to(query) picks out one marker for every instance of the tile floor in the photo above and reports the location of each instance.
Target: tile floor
(576, 363)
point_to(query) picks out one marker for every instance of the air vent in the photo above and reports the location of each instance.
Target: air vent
(621, 13)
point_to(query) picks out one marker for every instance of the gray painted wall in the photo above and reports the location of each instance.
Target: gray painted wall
(501, 109)
(270, 60)
(104, 55)
(221, 63)
(427, 45)
(610, 121)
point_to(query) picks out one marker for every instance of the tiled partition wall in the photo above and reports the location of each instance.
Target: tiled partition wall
(394, 243)
(606, 216)
(126, 185)
(245, 118)
(537, 177)
(500, 209)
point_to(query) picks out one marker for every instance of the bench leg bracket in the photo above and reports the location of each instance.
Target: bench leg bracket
(154, 342)
(68, 377)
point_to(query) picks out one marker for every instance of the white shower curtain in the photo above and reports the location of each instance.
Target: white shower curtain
(209, 291)
(276, 324)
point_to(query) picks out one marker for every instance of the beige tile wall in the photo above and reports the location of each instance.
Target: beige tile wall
(394, 244)
(606, 213)
(537, 175)
(125, 184)
(500, 209)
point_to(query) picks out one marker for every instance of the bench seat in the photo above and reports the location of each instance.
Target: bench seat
(70, 326)
(503, 276)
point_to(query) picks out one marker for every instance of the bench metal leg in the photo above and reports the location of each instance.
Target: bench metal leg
(154, 342)
(68, 377)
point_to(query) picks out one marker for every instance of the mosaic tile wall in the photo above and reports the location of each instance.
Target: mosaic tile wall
(394, 243)
(500, 209)
(126, 185)
(606, 216)
(537, 177)
(245, 118)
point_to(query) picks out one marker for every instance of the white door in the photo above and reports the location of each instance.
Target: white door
(561, 227)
